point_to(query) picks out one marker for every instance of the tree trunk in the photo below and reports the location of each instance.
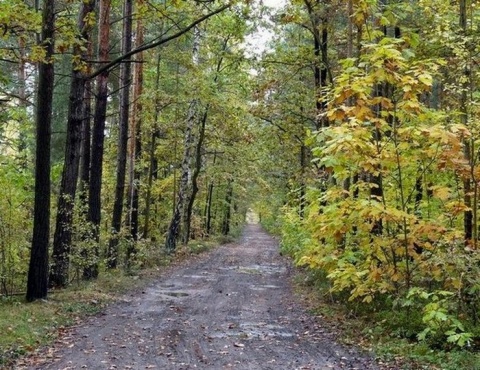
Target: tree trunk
(23, 103)
(85, 147)
(228, 209)
(98, 135)
(468, 219)
(89, 256)
(208, 211)
(319, 30)
(303, 166)
(182, 196)
(196, 173)
(37, 284)
(125, 77)
(151, 153)
(185, 178)
(384, 90)
(63, 228)
(136, 142)
(198, 154)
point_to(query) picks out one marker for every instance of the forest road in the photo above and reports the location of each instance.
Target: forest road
(232, 308)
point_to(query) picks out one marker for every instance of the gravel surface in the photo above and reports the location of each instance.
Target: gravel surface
(232, 308)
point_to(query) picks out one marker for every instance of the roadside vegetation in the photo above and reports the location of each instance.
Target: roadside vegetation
(389, 336)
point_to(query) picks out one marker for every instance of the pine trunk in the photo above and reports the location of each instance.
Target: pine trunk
(125, 77)
(152, 168)
(228, 209)
(136, 148)
(37, 284)
(68, 187)
(98, 134)
(468, 216)
(208, 210)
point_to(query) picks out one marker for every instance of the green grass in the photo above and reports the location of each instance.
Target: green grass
(26, 326)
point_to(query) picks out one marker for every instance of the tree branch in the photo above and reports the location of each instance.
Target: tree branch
(152, 45)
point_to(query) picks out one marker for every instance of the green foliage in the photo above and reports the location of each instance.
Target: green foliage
(19, 23)
(384, 215)
(15, 225)
(439, 316)
(294, 236)
(374, 202)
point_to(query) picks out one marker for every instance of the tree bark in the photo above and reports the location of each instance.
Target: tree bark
(319, 31)
(23, 103)
(98, 135)
(151, 153)
(303, 167)
(37, 283)
(125, 79)
(228, 209)
(89, 256)
(185, 179)
(63, 229)
(468, 215)
(208, 211)
(376, 189)
(186, 176)
(136, 142)
(196, 173)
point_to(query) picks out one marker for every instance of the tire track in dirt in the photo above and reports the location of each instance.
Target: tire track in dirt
(232, 309)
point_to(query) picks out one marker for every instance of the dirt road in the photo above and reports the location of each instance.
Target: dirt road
(232, 308)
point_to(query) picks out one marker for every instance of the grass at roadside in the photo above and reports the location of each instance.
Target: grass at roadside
(379, 331)
(25, 327)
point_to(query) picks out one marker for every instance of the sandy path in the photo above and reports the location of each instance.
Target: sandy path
(232, 308)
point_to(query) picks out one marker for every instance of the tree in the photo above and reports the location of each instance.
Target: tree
(399, 150)
(98, 135)
(153, 161)
(135, 144)
(37, 284)
(125, 80)
(76, 116)
(183, 195)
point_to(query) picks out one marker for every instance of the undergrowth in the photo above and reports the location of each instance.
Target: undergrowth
(390, 335)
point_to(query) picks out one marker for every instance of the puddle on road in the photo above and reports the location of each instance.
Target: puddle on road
(257, 269)
(262, 269)
(205, 275)
(176, 294)
(169, 291)
(263, 287)
(251, 330)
